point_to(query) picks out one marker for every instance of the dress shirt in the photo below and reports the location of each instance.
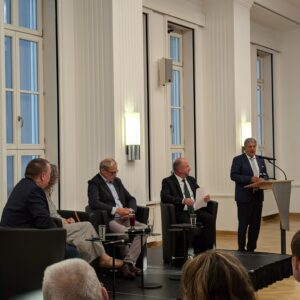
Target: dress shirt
(181, 184)
(254, 165)
(115, 195)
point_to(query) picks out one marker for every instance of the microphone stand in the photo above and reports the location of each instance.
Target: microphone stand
(270, 161)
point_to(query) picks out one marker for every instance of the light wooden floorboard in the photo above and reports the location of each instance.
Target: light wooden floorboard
(269, 241)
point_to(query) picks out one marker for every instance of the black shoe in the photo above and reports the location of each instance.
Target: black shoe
(242, 249)
(126, 273)
(133, 269)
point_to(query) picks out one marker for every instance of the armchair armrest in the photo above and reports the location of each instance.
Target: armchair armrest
(97, 217)
(212, 207)
(142, 214)
(83, 216)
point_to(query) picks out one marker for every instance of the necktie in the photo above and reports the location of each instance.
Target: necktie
(254, 167)
(187, 195)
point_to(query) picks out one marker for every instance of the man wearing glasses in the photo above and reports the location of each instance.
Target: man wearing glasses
(106, 192)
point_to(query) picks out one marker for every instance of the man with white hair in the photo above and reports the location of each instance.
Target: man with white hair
(72, 279)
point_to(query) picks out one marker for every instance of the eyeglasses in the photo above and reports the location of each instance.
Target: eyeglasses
(112, 173)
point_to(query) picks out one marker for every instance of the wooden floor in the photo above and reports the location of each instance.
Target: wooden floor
(269, 241)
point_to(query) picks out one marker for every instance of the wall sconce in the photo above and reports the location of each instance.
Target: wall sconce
(245, 133)
(132, 135)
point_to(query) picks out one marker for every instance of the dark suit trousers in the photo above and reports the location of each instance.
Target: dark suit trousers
(207, 238)
(249, 216)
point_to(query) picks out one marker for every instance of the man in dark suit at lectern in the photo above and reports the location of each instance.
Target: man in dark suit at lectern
(248, 168)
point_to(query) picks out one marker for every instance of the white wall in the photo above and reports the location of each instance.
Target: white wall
(286, 45)
(288, 142)
(101, 77)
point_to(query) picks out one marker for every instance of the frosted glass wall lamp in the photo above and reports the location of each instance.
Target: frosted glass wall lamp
(132, 135)
(245, 133)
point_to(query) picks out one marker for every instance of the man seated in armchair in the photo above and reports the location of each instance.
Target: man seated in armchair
(106, 192)
(78, 232)
(180, 189)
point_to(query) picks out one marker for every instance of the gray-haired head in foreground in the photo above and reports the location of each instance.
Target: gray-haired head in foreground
(71, 279)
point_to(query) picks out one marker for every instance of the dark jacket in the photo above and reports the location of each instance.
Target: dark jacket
(241, 172)
(100, 196)
(27, 207)
(171, 191)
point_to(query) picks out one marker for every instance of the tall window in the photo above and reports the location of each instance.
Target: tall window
(181, 108)
(176, 100)
(264, 116)
(23, 86)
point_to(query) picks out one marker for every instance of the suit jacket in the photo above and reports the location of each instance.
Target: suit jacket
(241, 172)
(171, 191)
(100, 196)
(27, 207)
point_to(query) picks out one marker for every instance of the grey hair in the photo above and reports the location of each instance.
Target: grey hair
(249, 140)
(71, 279)
(106, 163)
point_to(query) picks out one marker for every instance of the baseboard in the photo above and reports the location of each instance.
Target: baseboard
(270, 217)
(227, 232)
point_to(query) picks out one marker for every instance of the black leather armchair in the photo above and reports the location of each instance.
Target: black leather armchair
(168, 217)
(25, 253)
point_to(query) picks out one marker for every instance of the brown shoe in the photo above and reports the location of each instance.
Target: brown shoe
(135, 270)
(108, 263)
(126, 272)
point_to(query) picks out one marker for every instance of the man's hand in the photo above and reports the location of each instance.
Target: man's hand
(68, 221)
(206, 198)
(255, 179)
(123, 211)
(188, 201)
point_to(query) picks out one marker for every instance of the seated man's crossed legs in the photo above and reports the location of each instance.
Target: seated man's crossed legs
(77, 233)
(132, 252)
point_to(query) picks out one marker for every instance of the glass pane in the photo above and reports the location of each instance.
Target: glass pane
(175, 89)
(258, 96)
(259, 114)
(28, 14)
(28, 65)
(30, 119)
(9, 118)
(258, 69)
(8, 62)
(25, 159)
(175, 48)
(259, 129)
(10, 174)
(175, 121)
(176, 155)
(7, 11)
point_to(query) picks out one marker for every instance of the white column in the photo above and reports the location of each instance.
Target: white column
(128, 79)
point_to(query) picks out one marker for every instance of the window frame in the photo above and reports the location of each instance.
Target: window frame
(17, 144)
(178, 66)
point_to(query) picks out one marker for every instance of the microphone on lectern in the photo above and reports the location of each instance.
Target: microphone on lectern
(271, 161)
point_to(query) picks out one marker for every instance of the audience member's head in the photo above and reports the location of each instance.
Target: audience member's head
(39, 170)
(295, 247)
(216, 275)
(54, 175)
(72, 279)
